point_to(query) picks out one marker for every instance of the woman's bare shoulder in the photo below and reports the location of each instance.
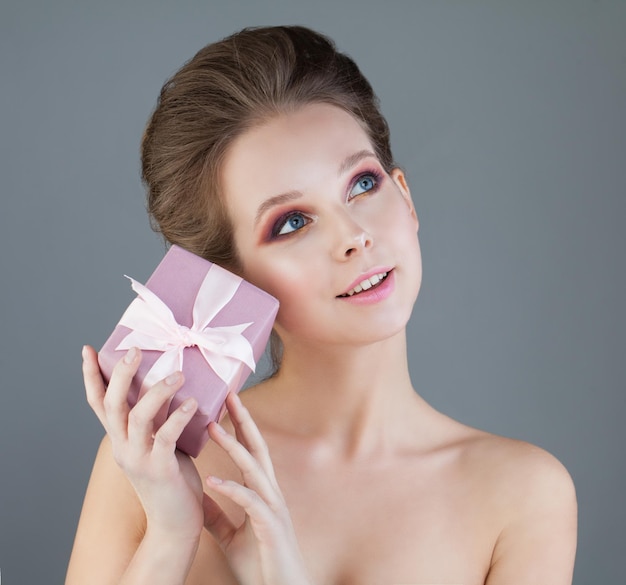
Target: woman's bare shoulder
(111, 524)
(515, 466)
(109, 491)
(531, 496)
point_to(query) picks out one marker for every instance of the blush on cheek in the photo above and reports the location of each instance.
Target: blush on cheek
(286, 284)
(288, 287)
(297, 297)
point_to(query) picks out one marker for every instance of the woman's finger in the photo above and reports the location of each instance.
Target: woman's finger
(277, 547)
(169, 432)
(254, 475)
(261, 515)
(116, 397)
(249, 436)
(216, 521)
(141, 418)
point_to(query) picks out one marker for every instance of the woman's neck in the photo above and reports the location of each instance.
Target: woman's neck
(355, 399)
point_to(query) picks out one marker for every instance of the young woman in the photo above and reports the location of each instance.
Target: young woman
(268, 155)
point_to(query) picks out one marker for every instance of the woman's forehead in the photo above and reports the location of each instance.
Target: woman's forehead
(293, 148)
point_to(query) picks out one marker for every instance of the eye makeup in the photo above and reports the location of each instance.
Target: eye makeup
(281, 222)
(377, 179)
(301, 219)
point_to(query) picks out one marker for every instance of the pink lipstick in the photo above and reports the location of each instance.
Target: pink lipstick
(372, 287)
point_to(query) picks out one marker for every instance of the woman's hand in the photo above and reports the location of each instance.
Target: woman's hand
(166, 481)
(263, 549)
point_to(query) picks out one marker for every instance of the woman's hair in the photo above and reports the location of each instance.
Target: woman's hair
(229, 87)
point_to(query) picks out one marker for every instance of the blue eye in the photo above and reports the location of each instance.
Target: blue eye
(364, 184)
(293, 222)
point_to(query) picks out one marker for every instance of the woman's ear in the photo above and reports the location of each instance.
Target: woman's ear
(398, 177)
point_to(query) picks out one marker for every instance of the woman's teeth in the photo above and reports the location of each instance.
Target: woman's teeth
(365, 284)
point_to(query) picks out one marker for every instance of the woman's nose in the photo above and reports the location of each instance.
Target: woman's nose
(353, 240)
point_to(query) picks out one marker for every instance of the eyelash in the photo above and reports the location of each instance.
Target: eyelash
(278, 225)
(374, 174)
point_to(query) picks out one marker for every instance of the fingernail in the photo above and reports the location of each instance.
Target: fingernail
(220, 429)
(173, 379)
(83, 352)
(215, 480)
(188, 405)
(130, 356)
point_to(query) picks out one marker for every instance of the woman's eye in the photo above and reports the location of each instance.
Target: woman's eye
(364, 184)
(290, 224)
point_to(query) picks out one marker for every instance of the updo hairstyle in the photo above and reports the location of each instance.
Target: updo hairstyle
(229, 87)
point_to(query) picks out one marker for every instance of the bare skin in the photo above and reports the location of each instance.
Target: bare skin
(367, 484)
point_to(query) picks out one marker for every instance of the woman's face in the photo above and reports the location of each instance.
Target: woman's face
(314, 215)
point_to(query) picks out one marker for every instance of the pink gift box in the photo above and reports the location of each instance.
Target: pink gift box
(206, 317)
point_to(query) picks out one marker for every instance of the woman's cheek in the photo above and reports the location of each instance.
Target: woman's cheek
(394, 218)
(282, 279)
(294, 302)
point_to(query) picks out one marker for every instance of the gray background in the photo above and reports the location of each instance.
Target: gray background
(510, 120)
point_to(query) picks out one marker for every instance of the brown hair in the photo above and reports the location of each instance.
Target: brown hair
(227, 88)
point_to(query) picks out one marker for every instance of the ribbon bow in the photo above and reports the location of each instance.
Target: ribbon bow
(154, 328)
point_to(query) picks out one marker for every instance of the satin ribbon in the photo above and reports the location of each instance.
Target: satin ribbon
(154, 327)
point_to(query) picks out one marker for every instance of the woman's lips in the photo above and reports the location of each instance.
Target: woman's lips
(373, 293)
(366, 284)
(366, 281)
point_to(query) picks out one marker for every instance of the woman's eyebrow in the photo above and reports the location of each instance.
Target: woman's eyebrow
(349, 162)
(354, 159)
(274, 201)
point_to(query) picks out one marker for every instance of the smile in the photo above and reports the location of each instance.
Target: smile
(366, 284)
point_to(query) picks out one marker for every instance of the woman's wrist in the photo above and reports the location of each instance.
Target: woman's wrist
(161, 558)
